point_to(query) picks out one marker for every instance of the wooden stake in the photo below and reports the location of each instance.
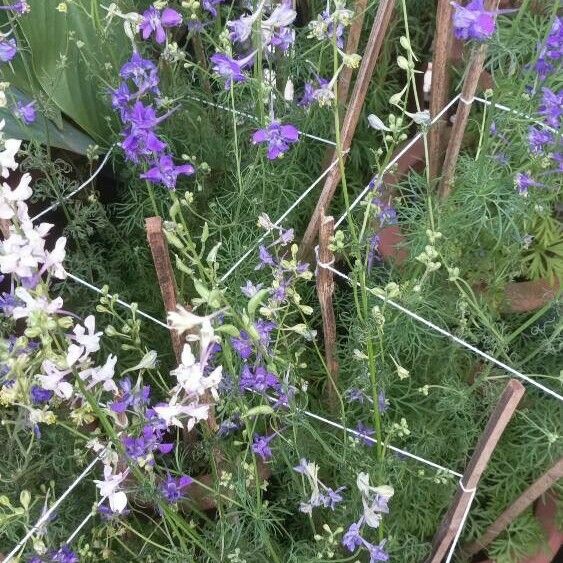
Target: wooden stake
(440, 84)
(167, 283)
(354, 34)
(164, 273)
(373, 48)
(498, 421)
(461, 117)
(325, 289)
(538, 488)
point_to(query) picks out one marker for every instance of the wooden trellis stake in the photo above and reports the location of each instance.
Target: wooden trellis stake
(533, 492)
(167, 283)
(5, 228)
(325, 289)
(440, 84)
(164, 273)
(352, 42)
(373, 48)
(474, 70)
(498, 421)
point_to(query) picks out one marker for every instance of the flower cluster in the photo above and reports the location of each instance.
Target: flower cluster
(551, 51)
(375, 504)
(278, 137)
(321, 495)
(330, 26)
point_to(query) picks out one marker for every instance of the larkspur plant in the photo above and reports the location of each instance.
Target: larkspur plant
(231, 444)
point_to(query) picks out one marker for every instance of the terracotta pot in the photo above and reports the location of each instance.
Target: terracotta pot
(527, 296)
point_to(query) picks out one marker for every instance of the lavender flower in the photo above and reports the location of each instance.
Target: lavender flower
(365, 432)
(230, 69)
(130, 398)
(278, 137)
(142, 72)
(166, 172)
(26, 112)
(264, 328)
(332, 497)
(473, 21)
(250, 290)
(377, 552)
(229, 426)
(523, 182)
(265, 258)
(260, 380)
(155, 22)
(40, 395)
(20, 7)
(373, 250)
(551, 107)
(551, 51)
(8, 49)
(242, 345)
(261, 446)
(64, 555)
(307, 98)
(172, 489)
(352, 539)
(209, 6)
(538, 138)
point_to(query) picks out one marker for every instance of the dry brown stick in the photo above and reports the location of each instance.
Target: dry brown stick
(354, 34)
(164, 274)
(440, 84)
(167, 283)
(488, 440)
(373, 48)
(325, 289)
(533, 492)
(5, 228)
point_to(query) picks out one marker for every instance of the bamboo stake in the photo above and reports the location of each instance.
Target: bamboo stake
(470, 84)
(164, 274)
(440, 84)
(167, 283)
(373, 48)
(533, 492)
(325, 289)
(496, 425)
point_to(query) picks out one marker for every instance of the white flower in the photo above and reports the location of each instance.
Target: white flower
(183, 320)
(7, 160)
(108, 488)
(376, 123)
(101, 374)
(191, 378)
(53, 380)
(32, 304)
(170, 414)
(87, 336)
(54, 259)
(374, 500)
(8, 197)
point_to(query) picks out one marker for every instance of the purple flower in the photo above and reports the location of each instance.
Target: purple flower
(377, 552)
(142, 72)
(230, 69)
(8, 301)
(171, 488)
(120, 98)
(130, 397)
(166, 172)
(473, 21)
(140, 449)
(261, 446)
(20, 7)
(229, 426)
(554, 41)
(266, 259)
(8, 49)
(260, 380)
(307, 98)
(250, 290)
(26, 112)
(523, 182)
(242, 345)
(365, 432)
(386, 213)
(330, 498)
(209, 6)
(278, 137)
(264, 328)
(155, 22)
(141, 142)
(373, 249)
(64, 555)
(551, 107)
(538, 138)
(352, 539)
(40, 395)
(382, 402)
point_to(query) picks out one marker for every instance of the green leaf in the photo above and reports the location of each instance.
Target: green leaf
(256, 301)
(261, 409)
(44, 131)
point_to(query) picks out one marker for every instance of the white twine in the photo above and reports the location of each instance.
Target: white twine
(278, 222)
(463, 343)
(516, 112)
(81, 187)
(473, 492)
(120, 301)
(253, 118)
(45, 517)
(466, 102)
(399, 155)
